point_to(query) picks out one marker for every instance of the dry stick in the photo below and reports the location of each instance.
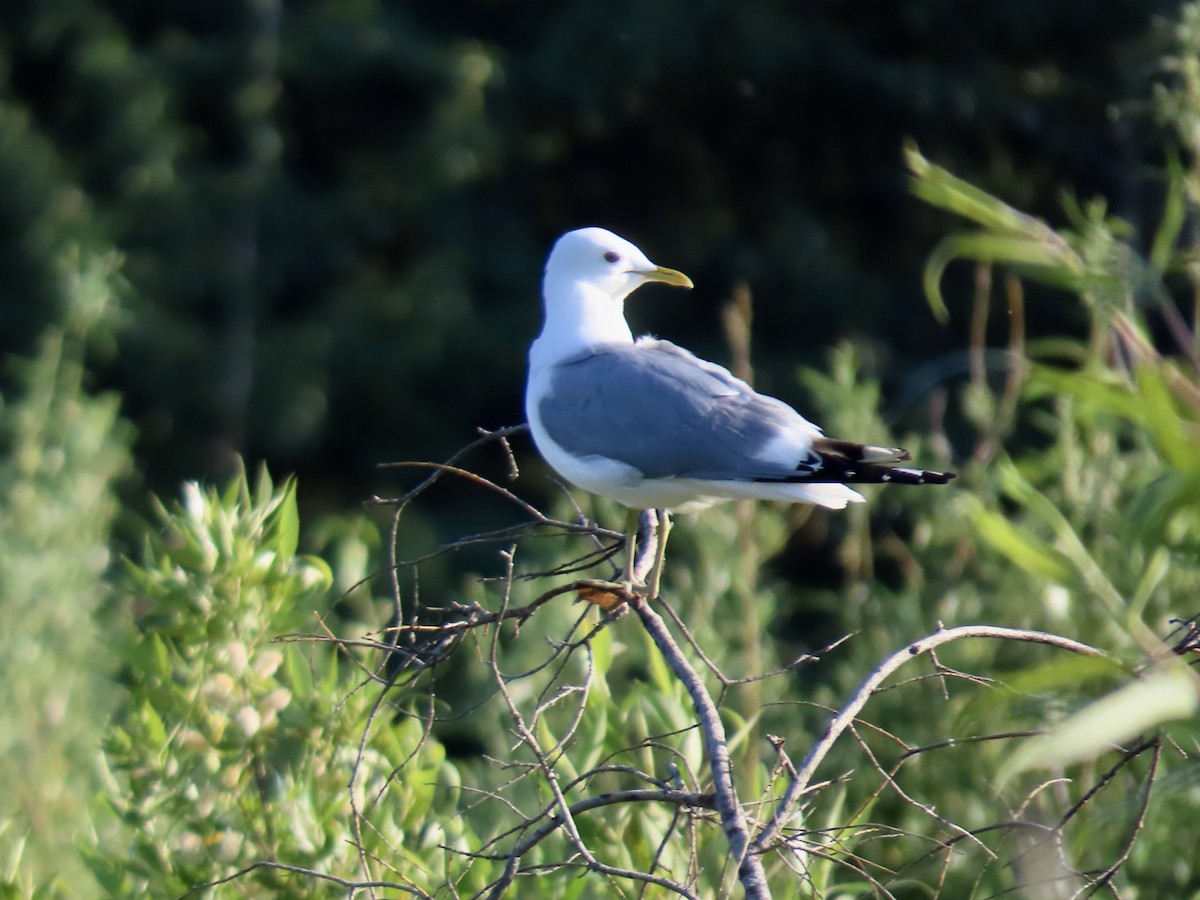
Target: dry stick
(530, 740)
(402, 503)
(929, 809)
(354, 886)
(800, 784)
(677, 798)
(733, 820)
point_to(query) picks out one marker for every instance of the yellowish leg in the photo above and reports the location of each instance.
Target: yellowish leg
(607, 594)
(660, 552)
(631, 530)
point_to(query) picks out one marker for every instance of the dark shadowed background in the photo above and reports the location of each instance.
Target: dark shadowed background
(334, 214)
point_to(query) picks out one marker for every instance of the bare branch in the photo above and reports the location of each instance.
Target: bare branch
(733, 819)
(307, 873)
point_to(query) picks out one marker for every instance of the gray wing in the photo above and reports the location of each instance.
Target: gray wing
(658, 408)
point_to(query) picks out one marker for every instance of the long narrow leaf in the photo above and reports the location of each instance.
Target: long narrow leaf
(1167, 694)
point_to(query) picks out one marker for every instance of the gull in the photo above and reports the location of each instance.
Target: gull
(654, 427)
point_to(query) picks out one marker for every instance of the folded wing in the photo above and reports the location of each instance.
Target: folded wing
(665, 412)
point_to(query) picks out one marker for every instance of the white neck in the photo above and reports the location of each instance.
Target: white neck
(580, 316)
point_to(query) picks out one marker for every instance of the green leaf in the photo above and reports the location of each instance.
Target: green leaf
(287, 523)
(1173, 216)
(1034, 255)
(1101, 392)
(155, 732)
(1022, 549)
(162, 656)
(299, 673)
(938, 187)
(1168, 496)
(739, 728)
(1072, 547)
(10, 864)
(329, 677)
(1165, 694)
(1152, 576)
(107, 869)
(601, 646)
(1064, 673)
(1008, 236)
(593, 731)
(1165, 421)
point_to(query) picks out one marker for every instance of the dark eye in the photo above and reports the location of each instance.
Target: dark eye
(612, 256)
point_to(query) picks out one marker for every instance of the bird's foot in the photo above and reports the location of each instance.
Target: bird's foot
(608, 595)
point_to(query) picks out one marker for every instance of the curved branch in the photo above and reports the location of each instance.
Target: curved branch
(353, 886)
(804, 775)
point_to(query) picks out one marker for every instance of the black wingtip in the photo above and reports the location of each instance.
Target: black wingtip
(844, 462)
(902, 475)
(836, 472)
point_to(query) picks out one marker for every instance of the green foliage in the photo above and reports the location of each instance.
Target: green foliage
(1102, 522)
(233, 748)
(1124, 436)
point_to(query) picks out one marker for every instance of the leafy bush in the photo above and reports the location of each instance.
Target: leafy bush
(233, 749)
(63, 449)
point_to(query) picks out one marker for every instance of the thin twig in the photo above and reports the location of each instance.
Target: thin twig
(1106, 878)
(638, 795)
(308, 873)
